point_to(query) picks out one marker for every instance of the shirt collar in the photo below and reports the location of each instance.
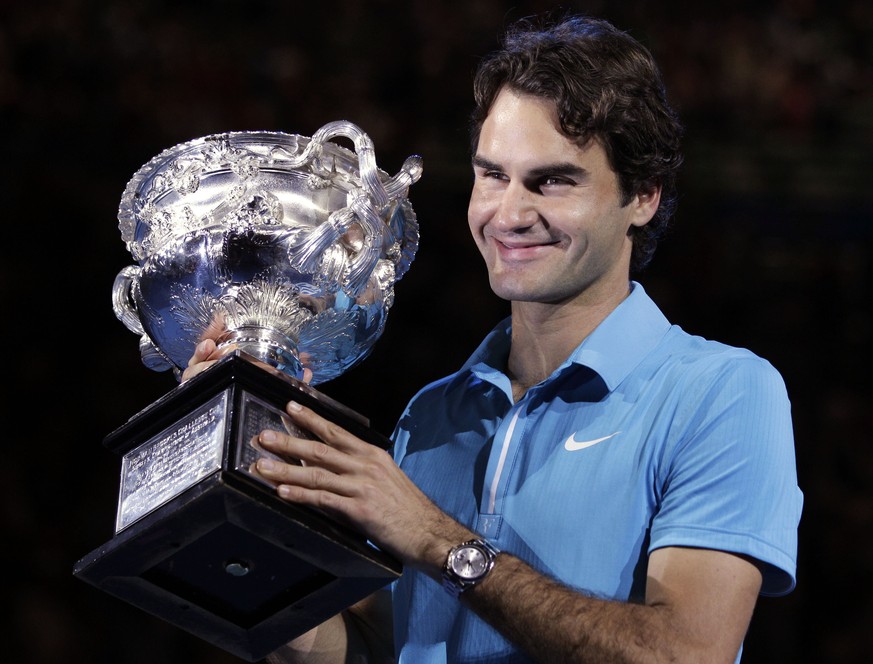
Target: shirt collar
(623, 339)
(612, 350)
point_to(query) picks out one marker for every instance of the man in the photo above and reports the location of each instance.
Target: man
(594, 485)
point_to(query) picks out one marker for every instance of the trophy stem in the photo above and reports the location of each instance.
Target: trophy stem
(265, 344)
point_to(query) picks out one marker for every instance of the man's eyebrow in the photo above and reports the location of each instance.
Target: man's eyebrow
(481, 162)
(567, 169)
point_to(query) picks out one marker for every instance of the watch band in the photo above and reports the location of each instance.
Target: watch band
(456, 584)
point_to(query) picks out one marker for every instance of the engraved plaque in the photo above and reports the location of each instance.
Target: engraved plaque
(172, 461)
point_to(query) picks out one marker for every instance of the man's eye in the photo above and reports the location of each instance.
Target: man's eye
(555, 181)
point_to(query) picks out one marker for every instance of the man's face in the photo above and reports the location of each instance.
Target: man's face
(546, 213)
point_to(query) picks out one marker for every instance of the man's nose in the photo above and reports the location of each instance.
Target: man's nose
(517, 209)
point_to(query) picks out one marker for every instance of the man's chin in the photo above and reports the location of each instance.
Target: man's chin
(519, 292)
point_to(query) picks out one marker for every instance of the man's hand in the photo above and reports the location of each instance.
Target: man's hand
(353, 481)
(205, 355)
(208, 353)
(359, 484)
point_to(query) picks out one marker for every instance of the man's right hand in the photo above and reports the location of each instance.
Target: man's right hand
(205, 355)
(208, 353)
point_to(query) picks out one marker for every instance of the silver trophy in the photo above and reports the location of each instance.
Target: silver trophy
(285, 248)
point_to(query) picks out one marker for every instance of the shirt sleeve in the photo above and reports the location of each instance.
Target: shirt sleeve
(729, 481)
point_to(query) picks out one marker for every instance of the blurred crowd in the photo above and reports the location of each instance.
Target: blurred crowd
(772, 249)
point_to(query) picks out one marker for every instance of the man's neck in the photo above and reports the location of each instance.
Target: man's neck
(544, 335)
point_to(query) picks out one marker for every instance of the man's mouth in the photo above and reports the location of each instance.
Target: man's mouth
(516, 250)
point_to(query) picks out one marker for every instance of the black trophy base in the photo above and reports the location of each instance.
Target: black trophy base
(224, 558)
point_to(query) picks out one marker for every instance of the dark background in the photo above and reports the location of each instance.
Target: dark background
(772, 250)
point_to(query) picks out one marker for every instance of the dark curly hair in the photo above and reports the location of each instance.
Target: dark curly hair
(606, 87)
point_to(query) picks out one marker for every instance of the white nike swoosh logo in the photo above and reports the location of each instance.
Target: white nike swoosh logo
(571, 444)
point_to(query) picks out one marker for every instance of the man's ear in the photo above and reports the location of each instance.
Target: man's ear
(645, 204)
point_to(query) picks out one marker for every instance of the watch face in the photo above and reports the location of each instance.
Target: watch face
(469, 563)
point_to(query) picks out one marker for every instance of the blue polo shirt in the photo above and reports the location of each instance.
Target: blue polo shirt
(645, 437)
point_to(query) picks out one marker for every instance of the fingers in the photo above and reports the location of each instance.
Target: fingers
(197, 362)
(205, 355)
(326, 430)
(331, 460)
(303, 450)
(208, 353)
(287, 474)
(315, 477)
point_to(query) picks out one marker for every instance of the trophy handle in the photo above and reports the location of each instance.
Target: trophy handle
(124, 306)
(408, 175)
(366, 153)
(365, 206)
(122, 299)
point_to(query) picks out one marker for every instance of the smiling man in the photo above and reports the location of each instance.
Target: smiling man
(594, 484)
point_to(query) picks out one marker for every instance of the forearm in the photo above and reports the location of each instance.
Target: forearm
(553, 623)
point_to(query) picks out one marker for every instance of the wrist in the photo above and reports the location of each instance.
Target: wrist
(437, 540)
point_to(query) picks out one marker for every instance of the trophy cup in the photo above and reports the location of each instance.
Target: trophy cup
(286, 249)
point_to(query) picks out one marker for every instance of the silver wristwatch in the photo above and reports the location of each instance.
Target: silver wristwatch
(467, 564)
